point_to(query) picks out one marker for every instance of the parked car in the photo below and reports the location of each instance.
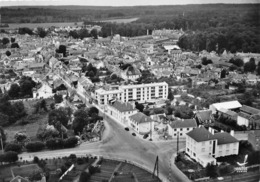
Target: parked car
(145, 136)
(133, 134)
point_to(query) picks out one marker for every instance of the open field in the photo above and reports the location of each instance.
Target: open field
(34, 121)
(66, 24)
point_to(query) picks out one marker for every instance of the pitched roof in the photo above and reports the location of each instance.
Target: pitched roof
(224, 138)
(186, 123)
(200, 134)
(227, 105)
(204, 115)
(123, 106)
(140, 118)
(249, 110)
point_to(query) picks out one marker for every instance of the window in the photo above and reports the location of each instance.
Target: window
(175, 129)
(181, 129)
(188, 149)
(194, 154)
(188, 129)
(203, 143)
(180, 134)
(203, 150)
(175, 134)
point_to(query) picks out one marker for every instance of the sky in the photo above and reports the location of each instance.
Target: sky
(117, 2)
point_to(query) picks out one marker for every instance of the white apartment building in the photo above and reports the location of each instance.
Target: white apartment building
(121, 111)
(126, 93)
(181, 127)
(204, 146)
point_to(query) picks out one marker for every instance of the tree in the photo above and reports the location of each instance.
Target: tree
(26, 86)
(223, 73)
(34, 146)
(62, 49)
(5, 41)
(237, 62)
(211, 170)
(2, 137)
(45, 133)
(58, 98)
(74, 34)
(14, 91)
(93, 110)
(12, 39)
(15, 45)
(25, 30)
(250, 66)
(258, 68)
(81, 119)
(13, 147)
(20, 137)
(4, 120)
(205, 61)
(254, 158)
(94, 33)
(54, 143)
(140, 107)
(170, 95)
(84, 177)
(8, 53)
(59, 115)
(70, 142)
(41, 32)
(9, 157)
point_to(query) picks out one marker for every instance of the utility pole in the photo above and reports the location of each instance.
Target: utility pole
(156, 167)
(177, 142)
(2, 145)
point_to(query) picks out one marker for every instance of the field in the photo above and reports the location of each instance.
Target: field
(65, 24)
(44, 25)
(34, 121)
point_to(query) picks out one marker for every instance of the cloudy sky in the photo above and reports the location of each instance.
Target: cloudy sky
(116, 2)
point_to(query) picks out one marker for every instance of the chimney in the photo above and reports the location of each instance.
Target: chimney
(232, 132)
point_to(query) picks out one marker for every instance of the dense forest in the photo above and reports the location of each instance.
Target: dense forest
(235, 27)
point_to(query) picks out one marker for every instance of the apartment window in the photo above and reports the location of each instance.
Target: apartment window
(175, 129)
(220, 146)
(220, 153)
(174, 134)
(203, 150)
(181, 129)
(203, 143)
(194, 154)
(227, 151)
(228, 145)
(188, 149)
(180, 134)
(210, 142)
(188, 129)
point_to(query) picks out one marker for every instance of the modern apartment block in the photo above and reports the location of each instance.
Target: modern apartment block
(139, 92)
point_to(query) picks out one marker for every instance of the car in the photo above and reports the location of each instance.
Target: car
(133, 134)
(127, 129)
(145, 136)
(220, 178)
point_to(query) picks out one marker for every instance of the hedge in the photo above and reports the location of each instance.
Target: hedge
(35, 146)
(13, 147)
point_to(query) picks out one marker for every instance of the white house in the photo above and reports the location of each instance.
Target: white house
(204, 146)
(230, 105)
(121, 111)
(248, 116)
(141, 123)
(45, 91)
(181, 127)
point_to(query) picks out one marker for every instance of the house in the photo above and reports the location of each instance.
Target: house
(249, 116)
(19, 179)
(37, 67)
(254, 139)
(230, 105)
(204, 117)
(121, 111)
(179, 128)
(45, 91)
(204, 145)
(141, 123)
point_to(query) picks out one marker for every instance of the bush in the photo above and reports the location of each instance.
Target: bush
(70, 142)
(35, 146)
(9, 157)
(84, 177)
(13, 147)
(80, 161)
(93, 170)
(54, 143)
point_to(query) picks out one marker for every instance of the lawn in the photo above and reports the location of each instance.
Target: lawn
(5, 172)
(25, 170)
(34, 121)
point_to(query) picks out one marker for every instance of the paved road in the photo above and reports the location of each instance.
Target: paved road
(118, 143)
